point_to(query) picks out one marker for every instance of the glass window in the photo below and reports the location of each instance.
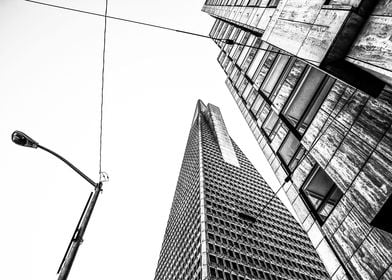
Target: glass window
(291, 151)
(305, 122)
(270, 122)
(303, 95)
(289, 147)
(286, 85)
(257, 104)
(297, 157)
(256, 62)
(273, 3)
(274, 74)
(245, 50)
(239, 81)
(321, 193)
(251, 98)
(278, 134)
(264, 67)
(247, 91)
(262, 113)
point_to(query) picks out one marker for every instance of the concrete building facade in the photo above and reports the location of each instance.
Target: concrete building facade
(312, 79)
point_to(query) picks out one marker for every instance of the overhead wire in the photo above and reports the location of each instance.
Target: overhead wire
(102, 89)
(224, 40)
(106, 16)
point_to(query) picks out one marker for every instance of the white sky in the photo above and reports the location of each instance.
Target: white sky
(50, 80)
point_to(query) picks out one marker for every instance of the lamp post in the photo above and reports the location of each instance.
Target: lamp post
(24, 140)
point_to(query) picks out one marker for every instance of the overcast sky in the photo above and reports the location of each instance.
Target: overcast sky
(50, 82)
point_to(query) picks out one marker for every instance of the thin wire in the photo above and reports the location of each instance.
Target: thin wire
(117, 18)
(102, 88)
(269, 201)
(227, 41)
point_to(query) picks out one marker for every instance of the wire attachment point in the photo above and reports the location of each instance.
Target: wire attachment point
(229, 41)
(103, 177)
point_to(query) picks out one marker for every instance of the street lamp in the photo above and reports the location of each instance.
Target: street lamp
(24, 140)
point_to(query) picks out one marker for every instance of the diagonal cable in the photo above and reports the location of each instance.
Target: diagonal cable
(224, 40)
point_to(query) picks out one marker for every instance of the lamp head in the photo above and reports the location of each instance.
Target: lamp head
(22, 139)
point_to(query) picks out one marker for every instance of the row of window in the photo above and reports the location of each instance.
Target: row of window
(245, 225)
(242, 3)
(284, 95)
(219, 253)
(228, 203)
(259, 238)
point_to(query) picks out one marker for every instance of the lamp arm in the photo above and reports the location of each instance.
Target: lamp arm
(69, 164)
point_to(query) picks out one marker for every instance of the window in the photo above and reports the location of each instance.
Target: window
(289, 147)
(286, 84)
(321, 193)
(306, 100)
(212, 271)
(257, 104)
(251, 98)
(274, 74)
(382, 219)
(264, 68)
(303, 96)
(273, 3)
(220, 274)
(246, 92)
(291, 151)
(257, 60)
(270, 122)
(245, 50)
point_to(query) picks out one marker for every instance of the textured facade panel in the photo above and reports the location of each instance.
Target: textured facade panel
(373, 185)
(372, 258)
(372, 50)
(222, 136)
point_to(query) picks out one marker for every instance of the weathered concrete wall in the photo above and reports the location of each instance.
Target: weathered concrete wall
(309, 29)
(351, 137)
(372, 50)
(255, 18)
(351, 134)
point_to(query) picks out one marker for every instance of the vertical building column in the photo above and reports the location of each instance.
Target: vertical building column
(203, 238)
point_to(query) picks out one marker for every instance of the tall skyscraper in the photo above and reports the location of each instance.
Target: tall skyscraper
(313, 81)
(225, 222)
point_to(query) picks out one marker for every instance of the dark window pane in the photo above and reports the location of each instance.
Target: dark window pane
(264, 69)
(289, 148)
(251, 98)
(303, 95)
(270, 122)
(273, 3)
(257, 104)
(322, 193)
(330, 203)
(316, 105)
(262, 114)
(274, 73)
(298, 156)
(289, 84)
